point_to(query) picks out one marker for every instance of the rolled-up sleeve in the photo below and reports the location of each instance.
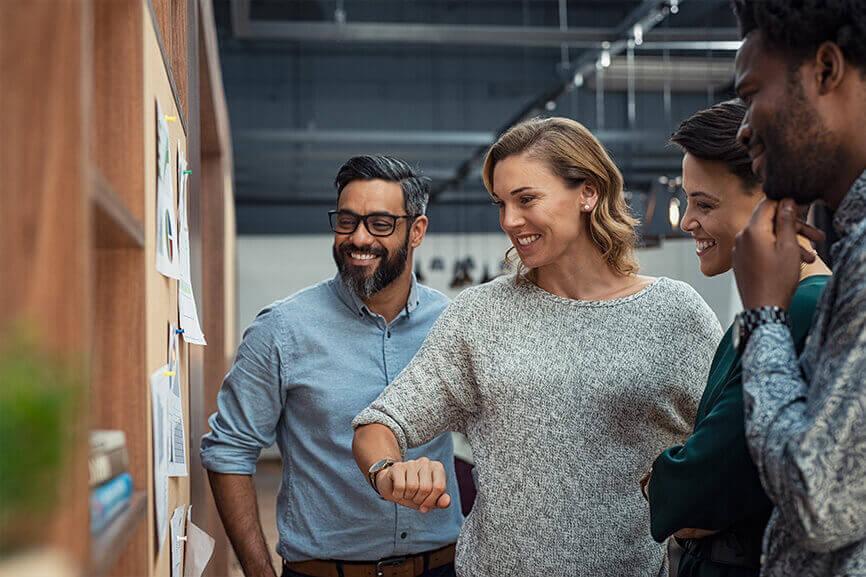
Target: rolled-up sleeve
(436, 392)
(249, 403)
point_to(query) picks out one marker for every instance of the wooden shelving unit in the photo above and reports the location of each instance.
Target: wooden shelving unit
(78, 223)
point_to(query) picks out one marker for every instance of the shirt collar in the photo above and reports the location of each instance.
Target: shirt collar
(852, 209)
(354, 302)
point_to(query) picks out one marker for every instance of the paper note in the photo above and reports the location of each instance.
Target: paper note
(187, 310)
(178, 540)
(159, 390)
(199, 548)
(167, 259)
(177, 461)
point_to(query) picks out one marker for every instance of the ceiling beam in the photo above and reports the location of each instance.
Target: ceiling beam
(420, 137)
(458, 35)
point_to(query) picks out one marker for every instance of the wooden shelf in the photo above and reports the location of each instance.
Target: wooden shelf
(115, 225)
(107, 546)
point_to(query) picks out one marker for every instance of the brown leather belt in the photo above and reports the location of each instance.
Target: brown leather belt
(409, 566)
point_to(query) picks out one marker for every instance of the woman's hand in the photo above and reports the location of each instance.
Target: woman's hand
(418, 484)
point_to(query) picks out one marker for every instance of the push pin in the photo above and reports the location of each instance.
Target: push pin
(171, 118)
(178, 331)
(169, 373)
(187, 171)
(181, 538)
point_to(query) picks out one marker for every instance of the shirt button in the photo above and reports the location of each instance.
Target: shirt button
(389, 334)
(403, 535)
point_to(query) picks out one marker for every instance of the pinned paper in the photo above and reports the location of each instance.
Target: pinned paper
(167, 258)
(199, 548)
(159, 390)
(187, 310)
(177, 461)
(178, 540)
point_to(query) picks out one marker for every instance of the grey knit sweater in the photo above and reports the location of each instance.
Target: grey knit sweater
(566, 403)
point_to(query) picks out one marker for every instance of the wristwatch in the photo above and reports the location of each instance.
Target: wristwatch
(747, 321)
(379, 465)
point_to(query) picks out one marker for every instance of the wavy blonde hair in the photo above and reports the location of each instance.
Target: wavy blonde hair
(577, 157)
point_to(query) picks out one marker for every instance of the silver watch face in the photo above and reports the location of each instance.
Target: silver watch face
(379, 465)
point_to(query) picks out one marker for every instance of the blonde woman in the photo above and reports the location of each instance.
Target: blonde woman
(567, 377)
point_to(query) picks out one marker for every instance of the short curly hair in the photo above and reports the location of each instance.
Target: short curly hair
(798, 27)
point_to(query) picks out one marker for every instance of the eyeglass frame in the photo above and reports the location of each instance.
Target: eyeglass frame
(363, 218)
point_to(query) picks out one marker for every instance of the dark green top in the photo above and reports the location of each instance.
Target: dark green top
(710, 482)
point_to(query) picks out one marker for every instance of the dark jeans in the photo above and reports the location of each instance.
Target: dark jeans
(444, 571)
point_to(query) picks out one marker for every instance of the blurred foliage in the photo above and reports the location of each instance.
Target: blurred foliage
(39, 397)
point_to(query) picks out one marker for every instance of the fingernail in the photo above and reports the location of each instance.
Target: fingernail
(788, 205)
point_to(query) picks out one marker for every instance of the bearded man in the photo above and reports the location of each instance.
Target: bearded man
(305, 367)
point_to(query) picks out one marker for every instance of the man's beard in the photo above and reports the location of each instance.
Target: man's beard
(802, 156)
(356, 277)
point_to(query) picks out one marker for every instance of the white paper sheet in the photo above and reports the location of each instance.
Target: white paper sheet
(177, 459)
(187, 310)
(199, 548)
(159, 389)
(178, 539)
(167, 260)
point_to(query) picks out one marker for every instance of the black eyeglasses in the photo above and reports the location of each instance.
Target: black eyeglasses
(381, 224)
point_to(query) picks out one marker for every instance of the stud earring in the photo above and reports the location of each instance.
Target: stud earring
(585, 207)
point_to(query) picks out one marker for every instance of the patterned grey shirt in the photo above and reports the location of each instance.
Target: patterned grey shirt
(806, 424)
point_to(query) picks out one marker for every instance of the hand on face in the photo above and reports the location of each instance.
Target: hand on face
(767, 254)
(418, 484)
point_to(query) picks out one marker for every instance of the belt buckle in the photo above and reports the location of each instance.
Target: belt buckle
(392, 562)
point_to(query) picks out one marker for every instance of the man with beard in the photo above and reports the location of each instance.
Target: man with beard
(802, 72)
(306, 366)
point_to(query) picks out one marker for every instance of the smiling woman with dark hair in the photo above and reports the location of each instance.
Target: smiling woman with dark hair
(707, 492)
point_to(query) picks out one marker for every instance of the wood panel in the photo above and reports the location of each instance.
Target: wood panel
(172, 30)
(44, 228)
(179, 51)
(162, 14)
(118, 97)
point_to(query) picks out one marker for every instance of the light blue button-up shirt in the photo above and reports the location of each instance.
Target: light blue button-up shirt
(305, 367)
